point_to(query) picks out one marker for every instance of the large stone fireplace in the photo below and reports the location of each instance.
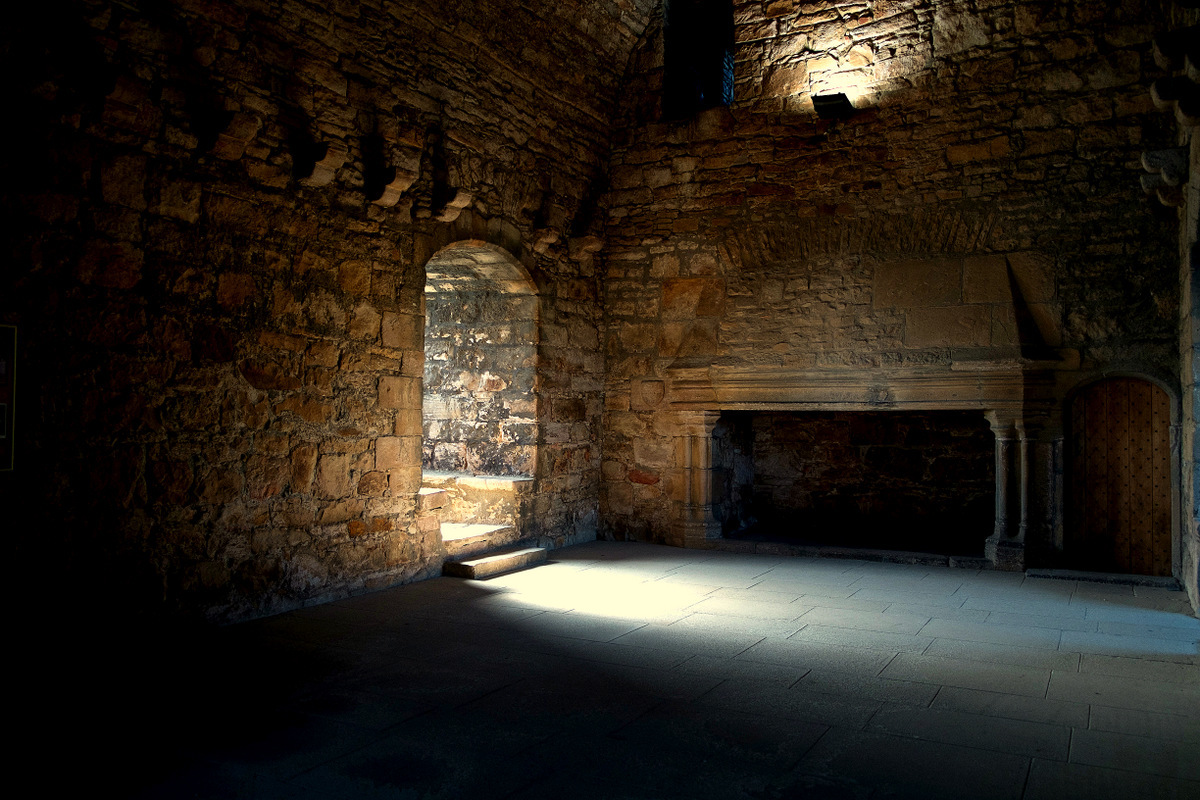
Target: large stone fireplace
(885, 480)
(993, 406)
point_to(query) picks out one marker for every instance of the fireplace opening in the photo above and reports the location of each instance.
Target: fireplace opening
(883, 480)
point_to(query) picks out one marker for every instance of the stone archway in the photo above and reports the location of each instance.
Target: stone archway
(1119, 516)
(479, 419)
(479, 410)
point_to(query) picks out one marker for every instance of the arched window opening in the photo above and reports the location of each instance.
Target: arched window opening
(479, 411)
(698, 56)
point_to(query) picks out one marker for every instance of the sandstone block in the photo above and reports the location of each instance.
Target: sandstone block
(399, 392)
(234, 289)
(402, 331)
(646, 395)
(955, 326)
(956, 28)
(266, 476)
(916, 283)
(180, 200)
(1034, 273)
(686, 298)
(365, 322)
(116, 265)
(786, 80)
(304, 467)
(333, 475)
(123, 181)
(396, 452)
(354, 277)
(373, 484)
(341, 511)
(985, 280)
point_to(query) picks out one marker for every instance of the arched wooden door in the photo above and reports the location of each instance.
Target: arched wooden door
(1119, 477)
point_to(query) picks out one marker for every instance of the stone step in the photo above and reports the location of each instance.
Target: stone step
(495, 564)
(465, 539)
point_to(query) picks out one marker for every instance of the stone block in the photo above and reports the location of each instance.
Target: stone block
(917, 283)
(1034, 274)
(396, 452)
(341, 511)
(786, 80)
(985, 280)
(954, 326)
(333, 475)
(700, 339)
(686, 298)
(373, 484)
(304, 466)
(956, 28)
(365, 322)
(322, 354)
(399, 392)
(354, 277)
(180, 200)
(654, 453)
(665, 266)
(266, 476)
(123, 181)
(976, 152)
(402, 331)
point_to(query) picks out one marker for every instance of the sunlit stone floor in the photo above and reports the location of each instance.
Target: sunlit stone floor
(638, 671)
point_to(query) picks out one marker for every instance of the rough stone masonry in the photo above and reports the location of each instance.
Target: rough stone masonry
(220, 218)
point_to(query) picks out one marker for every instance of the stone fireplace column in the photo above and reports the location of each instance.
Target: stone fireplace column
(694, 521)
(1005, 548)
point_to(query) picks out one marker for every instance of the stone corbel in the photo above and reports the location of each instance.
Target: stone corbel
(402, 178)
(400, 183)
(1167, 171)
(461, 199)
(582, 248)
(1178, 94)
(1170, 196)
(325, 167)
(232, 142)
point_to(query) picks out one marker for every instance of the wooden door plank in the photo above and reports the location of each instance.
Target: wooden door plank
(1141, 483)
(1161, 507)
(1079, 486)
(1097, 539)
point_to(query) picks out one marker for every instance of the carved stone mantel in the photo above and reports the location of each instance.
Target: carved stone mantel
(1016, 396)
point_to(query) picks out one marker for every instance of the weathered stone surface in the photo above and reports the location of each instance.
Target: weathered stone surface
(958, 326)
(916, 283)
(217, 307)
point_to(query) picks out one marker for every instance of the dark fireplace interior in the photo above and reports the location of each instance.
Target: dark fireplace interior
(885, 480)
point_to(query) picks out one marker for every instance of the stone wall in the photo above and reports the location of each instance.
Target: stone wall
(218, 216)
(980, 207)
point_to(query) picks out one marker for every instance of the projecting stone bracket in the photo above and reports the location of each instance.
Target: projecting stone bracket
(1180, 95)
(454, 206)
(231, 143)
(327, 162)
(1168, 195)
(401, 181)
(1170, 164)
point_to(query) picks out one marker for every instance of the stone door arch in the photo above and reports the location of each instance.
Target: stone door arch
(479, 405)
(1119, 479)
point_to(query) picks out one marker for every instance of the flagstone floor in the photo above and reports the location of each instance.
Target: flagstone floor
(625, 670)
